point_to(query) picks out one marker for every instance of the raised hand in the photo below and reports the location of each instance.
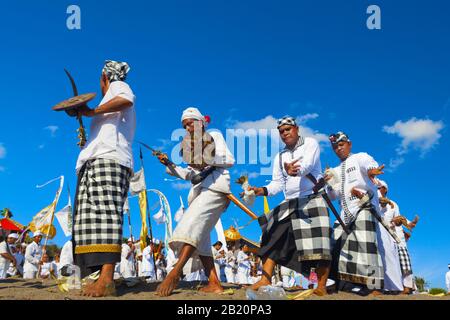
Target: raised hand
(355, 192)
(258, 191)
(372, 173)
(292, 168)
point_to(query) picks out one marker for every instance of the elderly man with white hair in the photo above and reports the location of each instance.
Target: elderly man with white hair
(6, 255)
(208, 158)
(33, 255)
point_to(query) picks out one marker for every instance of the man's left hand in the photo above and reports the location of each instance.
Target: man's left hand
(86, 111)
(372, 173)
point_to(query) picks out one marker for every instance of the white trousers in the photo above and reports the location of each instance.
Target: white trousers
(198, 221)
(231, 276)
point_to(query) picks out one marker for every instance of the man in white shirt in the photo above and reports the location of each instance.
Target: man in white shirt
(230, 265)
(127, 269)
(47, 267)
(18, 253)
(296, 234)
(388, 247)
(104, 169)
(218, 256)
(356, 257)
(447, 279)
(6, 256)
(243, 269)
(207, 199)
(33, 255)
(147, 264)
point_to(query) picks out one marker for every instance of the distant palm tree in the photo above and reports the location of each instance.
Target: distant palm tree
(421, 283)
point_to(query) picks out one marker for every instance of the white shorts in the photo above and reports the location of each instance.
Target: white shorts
(198, 221)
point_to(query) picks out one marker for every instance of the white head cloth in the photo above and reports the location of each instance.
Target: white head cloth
(192, 113)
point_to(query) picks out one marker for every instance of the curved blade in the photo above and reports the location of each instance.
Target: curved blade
(72, 81)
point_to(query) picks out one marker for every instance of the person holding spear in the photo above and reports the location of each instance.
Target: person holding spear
(207, 155)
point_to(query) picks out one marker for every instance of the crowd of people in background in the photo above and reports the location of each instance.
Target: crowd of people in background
(237, 264)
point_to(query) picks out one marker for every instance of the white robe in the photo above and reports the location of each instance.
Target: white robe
(127, 269)
(243, 271)
(230, 267)
(389, 252)
(147, 268)
(33, 255)
(4, 263)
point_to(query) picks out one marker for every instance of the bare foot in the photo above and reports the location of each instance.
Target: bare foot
(88, 289)
(101, 289)
(212, 288)
(261, 283)
(320, 292)
(167, 286)
(375, 293)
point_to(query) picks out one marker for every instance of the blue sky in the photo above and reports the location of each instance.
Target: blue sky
(244, 63)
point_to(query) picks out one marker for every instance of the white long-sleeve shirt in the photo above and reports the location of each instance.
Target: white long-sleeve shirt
(307, 151)
(353, 174)
(33, 255)
(219, 179)
(148, 267)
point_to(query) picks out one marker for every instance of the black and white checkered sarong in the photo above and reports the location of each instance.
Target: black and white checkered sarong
(355, 255)
(101, 193)
(405, 261)
(298, 230)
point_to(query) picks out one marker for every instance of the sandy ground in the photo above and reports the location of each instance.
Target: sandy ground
(18, 289)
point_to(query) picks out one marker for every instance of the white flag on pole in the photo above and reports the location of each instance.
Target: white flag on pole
(180, 211)
(160, 217)
(64, 217)
(137, 183)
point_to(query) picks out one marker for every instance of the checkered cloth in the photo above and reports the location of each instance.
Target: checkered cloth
(101, 193)
(116, 70)
(356, 257)
(309, 226)
(405, 261)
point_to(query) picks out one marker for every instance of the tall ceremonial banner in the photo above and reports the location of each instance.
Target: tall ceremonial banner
(166, 214)
(64, 217)
(143, 212)
(44, 219)
(138, 186)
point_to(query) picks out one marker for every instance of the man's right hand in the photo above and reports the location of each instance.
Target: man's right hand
(258, 191)
(163, 158)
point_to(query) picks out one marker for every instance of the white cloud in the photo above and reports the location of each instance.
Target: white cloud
(181, 185)
(270, 122)
(420, 134)
(416, 134)
(2, 151)
(52, 130)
